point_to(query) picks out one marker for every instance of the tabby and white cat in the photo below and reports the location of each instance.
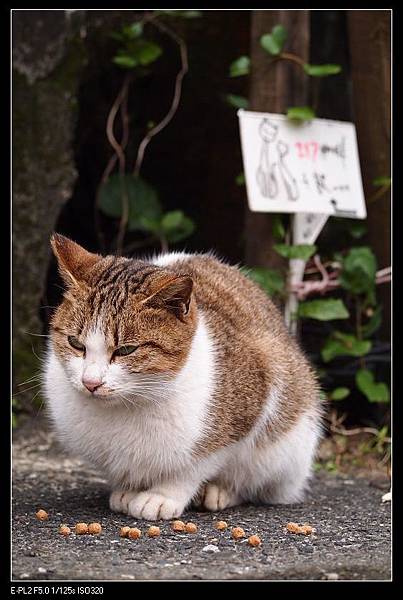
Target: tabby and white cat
(177, 378)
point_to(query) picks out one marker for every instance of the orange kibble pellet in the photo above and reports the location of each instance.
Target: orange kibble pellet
(42, 515)
(293, 527)
(81, 528)
(64, 530)
(307, 529)
(178, 526)
(254, 540)
(124, 531)
(190, 527)
(237, 533)
(94, 528)
(134, 533)
(221, 525)
(153, 531)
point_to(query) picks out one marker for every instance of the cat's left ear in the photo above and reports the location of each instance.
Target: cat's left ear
(175, 294)
(73, 260)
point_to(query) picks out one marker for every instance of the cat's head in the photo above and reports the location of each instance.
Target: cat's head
(124, 326)
(268, 130)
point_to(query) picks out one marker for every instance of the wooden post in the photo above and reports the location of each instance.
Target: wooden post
(370, 50)
(273, 88)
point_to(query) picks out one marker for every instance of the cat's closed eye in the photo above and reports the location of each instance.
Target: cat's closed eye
(75, 343)
(124, 350)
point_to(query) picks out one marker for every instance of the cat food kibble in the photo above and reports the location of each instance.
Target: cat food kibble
(237, 533)
(64, 530)
(254, 540)
(221, 525)
(178, 526)
(190, 527)
(81, 528)
(301, 529)
(134, 533)
(307, 529)
(94, 528)
(124, 531)
(153, 531)
(42, 515)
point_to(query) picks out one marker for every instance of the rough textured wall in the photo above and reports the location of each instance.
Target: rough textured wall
(47, 57)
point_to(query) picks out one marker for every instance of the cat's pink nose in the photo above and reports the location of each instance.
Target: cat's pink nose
(92, 384)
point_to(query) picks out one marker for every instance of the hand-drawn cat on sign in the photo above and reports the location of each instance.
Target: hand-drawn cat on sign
(273, 160)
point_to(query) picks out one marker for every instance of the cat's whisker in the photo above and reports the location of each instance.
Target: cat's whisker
(27, 389)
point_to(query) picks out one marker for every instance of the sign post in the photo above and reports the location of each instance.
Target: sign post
(309, 169)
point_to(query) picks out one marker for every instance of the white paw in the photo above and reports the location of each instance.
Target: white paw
(119, 501)
(152, 506)
(218, 498)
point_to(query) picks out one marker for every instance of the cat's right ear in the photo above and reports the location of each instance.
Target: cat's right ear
(73, 260)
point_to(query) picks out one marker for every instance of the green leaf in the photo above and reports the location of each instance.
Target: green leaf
(323, 310)
(142, 198)
(375, 392)
(382, 182)
(344, 344)
(133, 31)
(339, 393)
(302, 251)
(237, 101)
(125, 61)
(373, 324)
(176, 226)
(355, 228)
(240, 179)
(144, 52)
(358, 270)
(270, 280)
(239, 67)
(273, 42)
(321, 70)
(277, 227)
(301, 113)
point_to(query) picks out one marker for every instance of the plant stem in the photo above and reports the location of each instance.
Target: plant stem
(176, 98)
(291, 57)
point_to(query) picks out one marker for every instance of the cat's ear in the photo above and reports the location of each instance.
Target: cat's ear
(173, 293)
(73, 260)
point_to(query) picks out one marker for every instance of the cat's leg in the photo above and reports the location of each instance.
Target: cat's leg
(163, 501)
(119, 500)
(218, 496)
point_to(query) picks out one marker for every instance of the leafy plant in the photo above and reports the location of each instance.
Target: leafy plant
(344, 344)
(323, 310)
(270, 280)
(374, 392)
(301, 113)
(301, 251)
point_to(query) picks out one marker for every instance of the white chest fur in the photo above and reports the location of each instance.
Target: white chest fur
(136, 445)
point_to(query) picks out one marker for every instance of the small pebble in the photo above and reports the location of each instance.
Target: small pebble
(210, 548)
(237, 533)
(42, 515)
(41, 570)
(153, 531)
(190, 527)
(332, 576)
(221, 525)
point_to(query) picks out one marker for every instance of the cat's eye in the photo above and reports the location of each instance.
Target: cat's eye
(75, 343)
(124, 350)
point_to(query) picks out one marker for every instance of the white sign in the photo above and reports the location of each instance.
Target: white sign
(307, 167)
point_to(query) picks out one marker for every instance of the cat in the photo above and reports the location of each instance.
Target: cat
(178, 380)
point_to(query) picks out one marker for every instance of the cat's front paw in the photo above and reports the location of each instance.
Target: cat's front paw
(152, 506)
(217, 497)
(119, 500)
